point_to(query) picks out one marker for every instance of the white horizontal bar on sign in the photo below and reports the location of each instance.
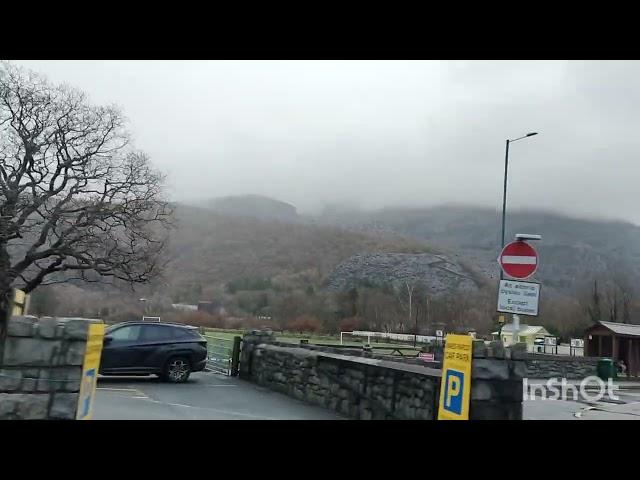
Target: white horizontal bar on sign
(519, 260)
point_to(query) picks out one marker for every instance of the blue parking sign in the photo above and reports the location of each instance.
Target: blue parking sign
(453, 392)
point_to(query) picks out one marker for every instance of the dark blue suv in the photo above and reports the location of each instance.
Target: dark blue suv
(141, 348)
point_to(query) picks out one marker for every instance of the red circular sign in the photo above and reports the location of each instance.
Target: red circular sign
(518, 260)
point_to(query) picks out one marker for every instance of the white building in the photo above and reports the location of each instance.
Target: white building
(184, 306)
(526, 334)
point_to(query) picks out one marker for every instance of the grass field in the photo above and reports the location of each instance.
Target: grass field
(295, 338)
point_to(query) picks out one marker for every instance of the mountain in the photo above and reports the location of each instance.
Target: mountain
(209, 248)
(253, 206)
(571, 249)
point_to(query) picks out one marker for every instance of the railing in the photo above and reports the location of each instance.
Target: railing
(223, 355)
(400, 350)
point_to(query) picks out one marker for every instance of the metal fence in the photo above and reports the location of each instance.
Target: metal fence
(223, 355)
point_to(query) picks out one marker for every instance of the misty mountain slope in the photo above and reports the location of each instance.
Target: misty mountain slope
(571, 251)
(211, 249)
(253, 206)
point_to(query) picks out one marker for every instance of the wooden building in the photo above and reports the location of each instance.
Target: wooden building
(618, 341)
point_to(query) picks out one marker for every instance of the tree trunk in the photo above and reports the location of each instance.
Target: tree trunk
(5, 305)
(5, 292)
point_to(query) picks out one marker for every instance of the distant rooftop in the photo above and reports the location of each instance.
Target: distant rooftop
(525, 330)
(622, 328)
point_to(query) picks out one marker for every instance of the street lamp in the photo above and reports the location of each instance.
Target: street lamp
(504, 193)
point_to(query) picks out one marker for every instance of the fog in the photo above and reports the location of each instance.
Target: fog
(382, 133)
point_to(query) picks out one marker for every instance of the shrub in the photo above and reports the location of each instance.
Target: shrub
(350, 324)
(305, 323)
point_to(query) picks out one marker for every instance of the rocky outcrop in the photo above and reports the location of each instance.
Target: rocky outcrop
(438, 272)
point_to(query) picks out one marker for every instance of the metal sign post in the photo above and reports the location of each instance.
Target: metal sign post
(516, 328)
(518, 260)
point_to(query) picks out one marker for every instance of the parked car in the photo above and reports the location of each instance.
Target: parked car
(141, 348)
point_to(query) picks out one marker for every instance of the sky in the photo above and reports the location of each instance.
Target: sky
(382, 133)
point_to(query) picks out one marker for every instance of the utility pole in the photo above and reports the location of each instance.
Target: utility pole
(504, 202)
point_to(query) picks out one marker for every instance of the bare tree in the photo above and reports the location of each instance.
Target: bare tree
(76, 202)
(405, 301)
(594, 309)
(625, 291)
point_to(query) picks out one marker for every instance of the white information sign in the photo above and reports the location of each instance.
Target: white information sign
(520, 298)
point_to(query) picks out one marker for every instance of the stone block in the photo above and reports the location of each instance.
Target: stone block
(519, 351)
(64, 406)
(501, 391)
(489, 369)
(496, 349)
(22, 326)
(365, 414)
(44, 385)
(8, 405)
(518, 369)
(10, 380)
(75, 353)
(479, 349)
(29, 384)
(48, 327)
(31, 351)
(66, 379)
(33, 406)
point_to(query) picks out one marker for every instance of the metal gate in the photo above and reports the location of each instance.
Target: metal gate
(223, 355)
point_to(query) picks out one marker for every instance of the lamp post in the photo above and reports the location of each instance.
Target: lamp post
(504, 191)
(504, 199)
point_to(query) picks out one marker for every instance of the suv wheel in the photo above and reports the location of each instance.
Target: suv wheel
(177, 370)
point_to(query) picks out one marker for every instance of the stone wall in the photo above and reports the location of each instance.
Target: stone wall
(41, 367)
(361, 385)
(558, 366)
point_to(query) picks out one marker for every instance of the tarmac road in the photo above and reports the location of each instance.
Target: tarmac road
(206, 396)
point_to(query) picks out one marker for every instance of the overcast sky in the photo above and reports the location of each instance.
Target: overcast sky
(382, 133)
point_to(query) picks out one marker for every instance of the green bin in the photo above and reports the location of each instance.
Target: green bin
(606, 369)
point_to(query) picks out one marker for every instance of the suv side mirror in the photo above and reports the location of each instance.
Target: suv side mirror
(107, 339)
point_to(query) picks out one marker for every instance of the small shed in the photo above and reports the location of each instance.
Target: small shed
(618, 341)
(526, 333)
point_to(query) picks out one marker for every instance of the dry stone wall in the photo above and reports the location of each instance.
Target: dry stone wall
(41, 367)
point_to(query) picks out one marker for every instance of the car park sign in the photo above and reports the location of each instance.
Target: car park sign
(455, 388)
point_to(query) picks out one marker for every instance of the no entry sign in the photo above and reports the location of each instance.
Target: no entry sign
(518, 260)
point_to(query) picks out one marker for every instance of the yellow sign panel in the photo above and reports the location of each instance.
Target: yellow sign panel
(455, 388)
(90, 370)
